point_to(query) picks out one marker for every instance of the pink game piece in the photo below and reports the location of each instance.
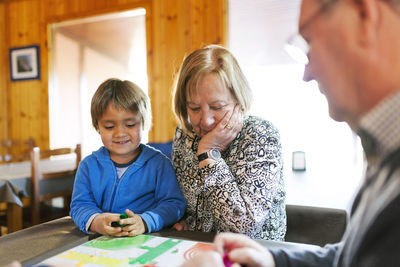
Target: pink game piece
(226, 260)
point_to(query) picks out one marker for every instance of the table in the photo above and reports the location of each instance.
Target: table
(15, 183)
(33, 245)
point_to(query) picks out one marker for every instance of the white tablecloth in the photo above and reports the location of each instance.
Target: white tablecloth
(19, 170)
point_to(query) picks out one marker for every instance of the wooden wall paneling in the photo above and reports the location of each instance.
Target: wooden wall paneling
(180, 26)
(176, 38)
(173, 44)
(28, 102)
(222, 18)
(180, 46)
(171, 39)
(158, 70)
(174, 28)
(216, 20)
(55, 8)
(44, 126)
(62, 10)
(208, 23)
(4, 74)
(153, 76)
(195, 25)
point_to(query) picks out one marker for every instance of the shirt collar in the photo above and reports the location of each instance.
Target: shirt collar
(379, 129)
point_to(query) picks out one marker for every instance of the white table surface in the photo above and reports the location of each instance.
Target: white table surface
(19, 170)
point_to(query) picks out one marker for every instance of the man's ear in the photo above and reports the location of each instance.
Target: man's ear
(370, 17)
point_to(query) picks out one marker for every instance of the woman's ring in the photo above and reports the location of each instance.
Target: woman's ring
(228, 126)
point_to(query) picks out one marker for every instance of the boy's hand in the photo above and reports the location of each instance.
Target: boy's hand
(102, 224)
(134, 224)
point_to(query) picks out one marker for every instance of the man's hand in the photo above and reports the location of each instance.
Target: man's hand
(243, 250)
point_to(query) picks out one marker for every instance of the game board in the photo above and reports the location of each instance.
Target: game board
(141, 250)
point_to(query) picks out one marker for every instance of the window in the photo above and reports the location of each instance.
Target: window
(257, 32)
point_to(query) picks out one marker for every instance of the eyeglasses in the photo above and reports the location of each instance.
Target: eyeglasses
(296, 46)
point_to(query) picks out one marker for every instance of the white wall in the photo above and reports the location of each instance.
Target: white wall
(258, 31)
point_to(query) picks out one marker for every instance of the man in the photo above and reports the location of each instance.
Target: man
(354, 55)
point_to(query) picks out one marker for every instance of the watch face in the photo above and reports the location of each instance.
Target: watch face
(214, 153)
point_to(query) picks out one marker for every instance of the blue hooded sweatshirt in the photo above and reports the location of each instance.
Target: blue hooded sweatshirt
(148, 188)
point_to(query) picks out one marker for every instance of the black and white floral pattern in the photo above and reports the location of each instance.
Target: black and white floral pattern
(242, 192)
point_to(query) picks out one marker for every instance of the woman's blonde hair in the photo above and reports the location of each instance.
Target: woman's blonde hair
(122, 94)
(210, 59)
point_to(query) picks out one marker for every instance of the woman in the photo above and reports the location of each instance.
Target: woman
(228, 164)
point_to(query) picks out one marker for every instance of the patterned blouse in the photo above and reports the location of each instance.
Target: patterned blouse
(243, 191)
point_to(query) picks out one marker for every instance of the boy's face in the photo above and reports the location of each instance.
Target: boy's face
(121, 133)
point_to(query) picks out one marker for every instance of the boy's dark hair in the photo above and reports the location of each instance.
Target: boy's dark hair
(122, 94)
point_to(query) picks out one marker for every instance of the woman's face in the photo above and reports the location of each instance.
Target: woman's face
(209, 104)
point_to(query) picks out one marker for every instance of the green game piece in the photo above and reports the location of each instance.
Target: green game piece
(117, 224)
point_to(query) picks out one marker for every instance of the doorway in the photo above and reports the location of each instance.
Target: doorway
(84, 53)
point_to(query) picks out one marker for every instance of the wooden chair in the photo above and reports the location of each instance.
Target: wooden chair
(14, 150)
(40, 210)
(3, 218)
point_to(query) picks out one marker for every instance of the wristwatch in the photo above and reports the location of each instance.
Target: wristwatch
(212, 154)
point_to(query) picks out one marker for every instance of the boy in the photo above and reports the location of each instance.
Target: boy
(124, 176)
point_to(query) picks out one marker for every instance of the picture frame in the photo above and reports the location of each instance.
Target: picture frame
(24, 63)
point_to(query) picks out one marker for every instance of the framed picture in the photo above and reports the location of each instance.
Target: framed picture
(24, 63)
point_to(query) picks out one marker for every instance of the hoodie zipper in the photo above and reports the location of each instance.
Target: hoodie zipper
(116, 184)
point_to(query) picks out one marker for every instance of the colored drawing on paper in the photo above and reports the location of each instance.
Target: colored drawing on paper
(198, 247)
(112, 243)
(153, 253)
(142, 250)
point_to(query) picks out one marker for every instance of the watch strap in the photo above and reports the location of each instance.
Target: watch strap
(202, 156)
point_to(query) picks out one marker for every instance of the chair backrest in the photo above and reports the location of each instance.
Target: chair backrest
(315, 225)
(37, 175)
(165, 148)
(13, 150)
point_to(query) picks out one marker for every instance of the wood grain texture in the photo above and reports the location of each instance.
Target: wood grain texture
(3, 74)
(174, 28)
